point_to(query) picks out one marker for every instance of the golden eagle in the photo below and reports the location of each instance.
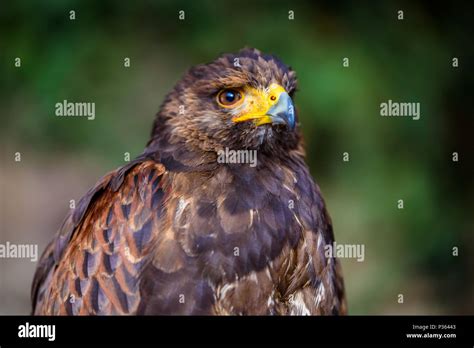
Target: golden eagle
(182, 229)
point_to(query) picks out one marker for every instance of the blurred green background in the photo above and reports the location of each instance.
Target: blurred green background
(407, 251)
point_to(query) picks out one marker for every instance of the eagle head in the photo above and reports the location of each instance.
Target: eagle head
(238, 101)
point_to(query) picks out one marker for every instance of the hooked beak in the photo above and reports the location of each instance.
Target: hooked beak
(275, 107)
(283, 112)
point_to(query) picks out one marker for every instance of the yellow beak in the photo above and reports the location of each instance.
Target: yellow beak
(271, 106)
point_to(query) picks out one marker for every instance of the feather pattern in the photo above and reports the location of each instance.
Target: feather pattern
(176, 232)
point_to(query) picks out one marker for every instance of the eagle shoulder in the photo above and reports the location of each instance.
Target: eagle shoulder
(92, 264)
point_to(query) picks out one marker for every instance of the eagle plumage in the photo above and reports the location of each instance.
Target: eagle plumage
(176, 232)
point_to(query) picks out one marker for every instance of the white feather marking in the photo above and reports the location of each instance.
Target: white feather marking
(298, 305)
(267, 272)
(286, 187)
(223, 290)
(253, 277)
(298, 220)
(182, 204)
(320, 294)
(320, 240)
(271, 300)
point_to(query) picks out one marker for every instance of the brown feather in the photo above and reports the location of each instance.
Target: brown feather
(176, 232)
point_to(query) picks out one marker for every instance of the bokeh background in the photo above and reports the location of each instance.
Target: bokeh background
(407, 251)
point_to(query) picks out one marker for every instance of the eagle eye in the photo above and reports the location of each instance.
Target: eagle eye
(229, 97)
